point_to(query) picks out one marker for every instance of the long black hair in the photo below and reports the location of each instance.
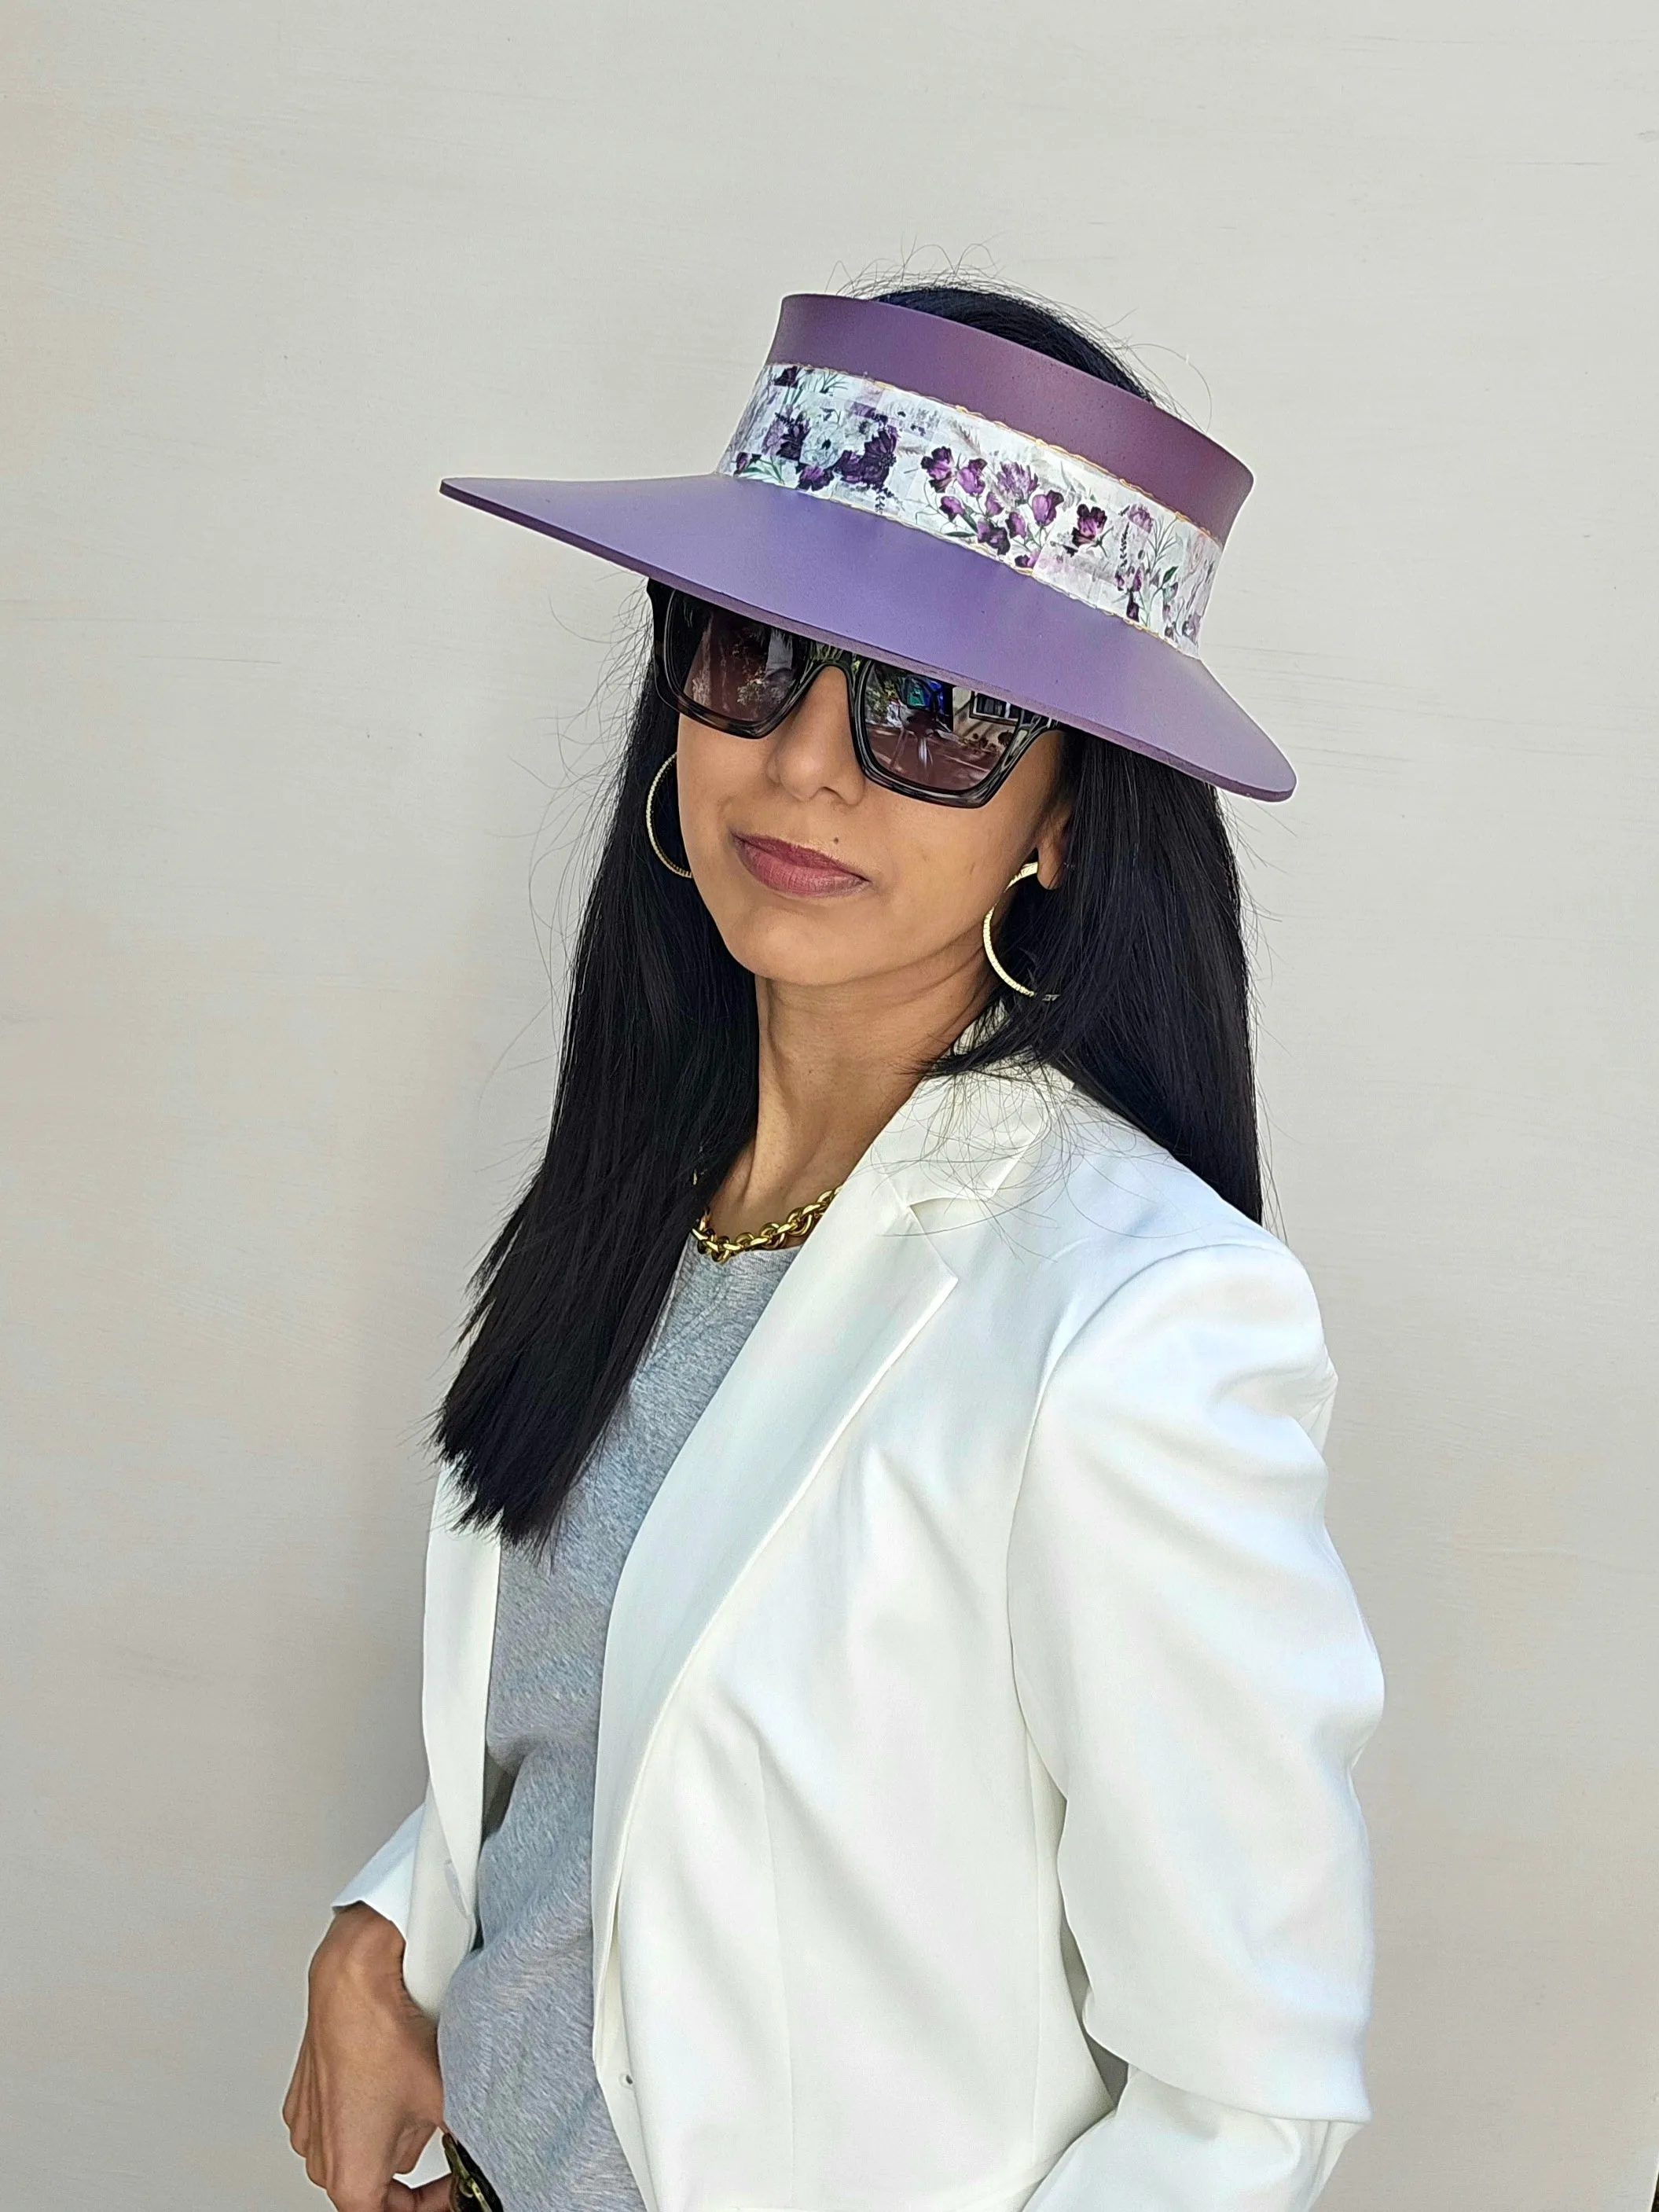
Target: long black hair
(1140, 945)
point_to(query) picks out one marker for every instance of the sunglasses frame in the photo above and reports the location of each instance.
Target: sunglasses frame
(858, 668)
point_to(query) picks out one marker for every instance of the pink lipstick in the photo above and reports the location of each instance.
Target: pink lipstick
(795, 869)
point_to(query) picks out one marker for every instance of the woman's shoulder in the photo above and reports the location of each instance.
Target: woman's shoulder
(1144, 1257)
(1095, 1200)
(1078, 1243)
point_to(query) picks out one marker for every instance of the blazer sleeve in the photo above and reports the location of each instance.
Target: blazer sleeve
(1163, 2150)
(1198, 1680)
(386, 1882)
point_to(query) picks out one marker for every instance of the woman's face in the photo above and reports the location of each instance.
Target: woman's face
(817, 877)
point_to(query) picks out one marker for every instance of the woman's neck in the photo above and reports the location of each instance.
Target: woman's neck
(835, 1066)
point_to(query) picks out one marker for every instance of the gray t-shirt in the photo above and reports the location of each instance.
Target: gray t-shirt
(515, 2036)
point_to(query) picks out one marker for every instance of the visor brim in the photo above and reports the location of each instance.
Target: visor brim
(872, 585)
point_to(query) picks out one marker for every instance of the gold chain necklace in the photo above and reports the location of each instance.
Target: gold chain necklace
(772, 1238)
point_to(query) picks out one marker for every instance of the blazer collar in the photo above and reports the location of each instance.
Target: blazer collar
(961, 1137)
(868, 1281)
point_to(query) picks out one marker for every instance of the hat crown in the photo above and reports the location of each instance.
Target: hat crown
(1023, 390)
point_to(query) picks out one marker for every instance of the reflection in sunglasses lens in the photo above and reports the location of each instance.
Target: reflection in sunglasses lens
(740, 670)
(939, 736)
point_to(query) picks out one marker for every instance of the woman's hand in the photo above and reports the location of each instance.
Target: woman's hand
(366, 2095)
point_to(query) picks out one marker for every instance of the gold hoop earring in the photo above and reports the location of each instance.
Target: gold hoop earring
(672, 866)
(1013, 981)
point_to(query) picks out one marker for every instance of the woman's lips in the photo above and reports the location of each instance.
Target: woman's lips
(796, 869)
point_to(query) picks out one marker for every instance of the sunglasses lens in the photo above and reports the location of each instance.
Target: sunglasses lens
(725, 665)
(932, 736)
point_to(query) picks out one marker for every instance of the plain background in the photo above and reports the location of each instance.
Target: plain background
(297, 757)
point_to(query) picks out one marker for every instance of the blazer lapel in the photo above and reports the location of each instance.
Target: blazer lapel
(868, 1281)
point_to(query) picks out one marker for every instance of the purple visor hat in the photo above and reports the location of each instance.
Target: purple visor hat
(934, 497)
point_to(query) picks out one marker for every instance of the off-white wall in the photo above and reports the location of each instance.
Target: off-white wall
(287, 739)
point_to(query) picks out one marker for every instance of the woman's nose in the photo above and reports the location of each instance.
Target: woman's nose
(812, 750)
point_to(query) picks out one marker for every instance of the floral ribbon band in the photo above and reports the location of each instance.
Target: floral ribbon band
(1051, 514)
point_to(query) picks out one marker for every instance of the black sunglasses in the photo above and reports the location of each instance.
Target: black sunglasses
(911, 733)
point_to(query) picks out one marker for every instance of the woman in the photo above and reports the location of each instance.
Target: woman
(962, 1816)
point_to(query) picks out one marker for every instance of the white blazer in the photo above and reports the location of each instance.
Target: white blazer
(982, 1675)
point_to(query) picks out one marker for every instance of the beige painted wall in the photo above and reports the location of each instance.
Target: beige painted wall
(294, 753)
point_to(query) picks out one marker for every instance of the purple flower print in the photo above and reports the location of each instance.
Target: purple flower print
(825, 432)
(996, 505)
(786, 437)
(1134, 556)
(1164, 583)
(1193, 597)
(874, 464)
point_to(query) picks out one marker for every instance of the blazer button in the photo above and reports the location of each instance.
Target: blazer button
(627, 2080)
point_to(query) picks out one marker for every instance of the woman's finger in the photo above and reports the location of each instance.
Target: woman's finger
(411, 2143)
(297, 2105)
(431, 2196)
